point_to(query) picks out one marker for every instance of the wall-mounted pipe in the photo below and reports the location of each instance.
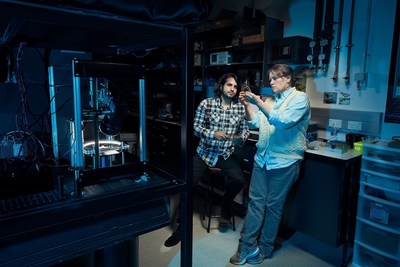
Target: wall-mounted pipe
(323, 35)
(338, 40)
(362, 76)
(327, 32)
(314, 44)
(349, 43)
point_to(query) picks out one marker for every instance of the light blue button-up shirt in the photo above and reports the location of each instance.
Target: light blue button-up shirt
(294, 111)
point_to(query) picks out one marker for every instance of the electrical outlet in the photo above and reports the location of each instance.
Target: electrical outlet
(354, 125)
(335, 123)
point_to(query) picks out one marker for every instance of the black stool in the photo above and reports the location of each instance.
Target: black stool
(214, 174)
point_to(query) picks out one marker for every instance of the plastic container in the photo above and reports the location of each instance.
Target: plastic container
(258, 78)
(365, 256)
(383, 239)
(358, 147)
(380, 192)
(380, 179)
(381, 151)
(379, 211)
(381, 166)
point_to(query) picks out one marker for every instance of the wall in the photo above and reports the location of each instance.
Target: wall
(372, 39)
(371, 48)
(372, 44)
(298, 16)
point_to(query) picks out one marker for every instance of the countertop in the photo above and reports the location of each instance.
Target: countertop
(315, 148)
(342, 156)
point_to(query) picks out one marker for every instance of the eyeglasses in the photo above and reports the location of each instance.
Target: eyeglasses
(274, 78)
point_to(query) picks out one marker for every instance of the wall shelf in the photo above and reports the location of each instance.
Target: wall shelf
(246, 59)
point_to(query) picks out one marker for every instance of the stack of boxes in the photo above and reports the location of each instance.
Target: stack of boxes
(377, 241)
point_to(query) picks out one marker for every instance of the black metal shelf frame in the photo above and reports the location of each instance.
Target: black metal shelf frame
(84, 223)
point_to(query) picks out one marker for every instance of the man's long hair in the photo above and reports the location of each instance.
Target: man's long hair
(218, 90)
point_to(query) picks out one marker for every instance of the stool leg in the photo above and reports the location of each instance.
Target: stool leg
(205, 201)
(210, 204)
(233, 223)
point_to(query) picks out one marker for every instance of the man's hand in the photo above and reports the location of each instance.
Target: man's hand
(221, 136)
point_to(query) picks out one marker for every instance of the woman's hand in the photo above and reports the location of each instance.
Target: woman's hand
(251, 98)
(242, 98)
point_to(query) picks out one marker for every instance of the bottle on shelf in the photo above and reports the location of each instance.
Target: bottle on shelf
(258, 78)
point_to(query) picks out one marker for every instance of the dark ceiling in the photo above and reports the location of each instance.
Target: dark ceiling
(81, 29)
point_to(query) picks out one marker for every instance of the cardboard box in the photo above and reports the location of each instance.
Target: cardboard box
(256, 38)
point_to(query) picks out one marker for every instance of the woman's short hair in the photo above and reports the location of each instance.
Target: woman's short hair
(283, 70)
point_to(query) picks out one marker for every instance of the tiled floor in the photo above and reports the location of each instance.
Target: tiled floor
(215, 248)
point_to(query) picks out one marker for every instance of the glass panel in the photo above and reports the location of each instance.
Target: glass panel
(392, 114)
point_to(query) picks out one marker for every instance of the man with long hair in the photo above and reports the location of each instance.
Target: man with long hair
(219, 123)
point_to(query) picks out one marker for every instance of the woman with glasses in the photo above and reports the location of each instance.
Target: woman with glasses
(282, 121)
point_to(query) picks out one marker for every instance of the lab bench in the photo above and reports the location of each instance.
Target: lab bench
(322, 203)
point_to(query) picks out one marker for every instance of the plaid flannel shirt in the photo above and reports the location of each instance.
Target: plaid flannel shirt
(211, 117)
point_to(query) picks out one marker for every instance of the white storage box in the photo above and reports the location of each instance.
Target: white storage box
(381, 166)
(380, 192)
(380, 179)
(365, 256)
(381, 152)
(380, 211)
(381, 238)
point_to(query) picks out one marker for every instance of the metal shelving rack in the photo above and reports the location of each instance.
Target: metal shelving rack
(87, 211)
